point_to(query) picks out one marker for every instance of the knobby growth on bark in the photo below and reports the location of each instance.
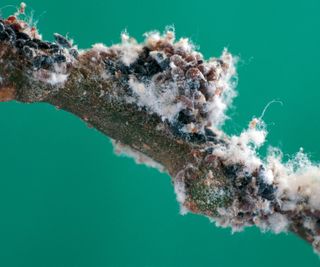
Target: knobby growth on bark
(163, 103)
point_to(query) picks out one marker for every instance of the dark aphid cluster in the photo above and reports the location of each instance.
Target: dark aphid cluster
(40, 54)
(250, 188)
(250, 183)
(211, 135)
(143, 68)
(186, 116)
(43, 62)
(6, 32)
(166, 63)
(233, 170)
(146, 66)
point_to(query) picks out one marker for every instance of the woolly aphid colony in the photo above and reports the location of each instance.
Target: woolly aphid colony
(193, 94)
(171, 79)
(49, 60)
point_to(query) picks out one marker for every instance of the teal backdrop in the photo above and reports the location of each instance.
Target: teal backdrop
(66, 200)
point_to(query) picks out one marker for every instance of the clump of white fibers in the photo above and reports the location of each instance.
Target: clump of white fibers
(243, 148)
(130, 50)
(223, 100)
(278, 223)
(298, 181)
(139, 158)
(163, 104)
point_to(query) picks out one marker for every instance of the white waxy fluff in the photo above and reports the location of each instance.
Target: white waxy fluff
(162, 103)
(139, 158)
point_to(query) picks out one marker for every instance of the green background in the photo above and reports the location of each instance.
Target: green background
(67, 200)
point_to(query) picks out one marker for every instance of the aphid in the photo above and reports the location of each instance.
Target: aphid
(196, 138)
(4, 36)
(193, 84)
(266, 191)
(22, 35)
(193, 78)
(203, 84)
(37, 62)
(245, 180)
(180, 51)
(164, 64)
(59, 58)
(204, 110)
(194, 73)
(110, 65)
(204, 90)
(175, 128)
(202, 68)
(169, 50)
(152, 67)
(219, 62)
(210, 135)
(158, 56)
(61, 40)
(177, 74)
(160, 78)
(47, 61)
(186, 116)
(74, 52)
(232, 170)
(20, 43)
(161, 59)
(11, 33)
(54, 48)
(41, 44)
(199, 97)
(178, 61)
(42, 62)
(32, 44)
(136, 67)
(211, 76)
(210, 150)
(28, 52)
(124, 69)
(192, 61)
(2, 28)
(144, 54)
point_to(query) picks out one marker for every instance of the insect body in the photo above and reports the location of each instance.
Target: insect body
(62, 41)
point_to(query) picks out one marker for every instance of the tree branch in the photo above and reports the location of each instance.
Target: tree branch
(163, 103)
